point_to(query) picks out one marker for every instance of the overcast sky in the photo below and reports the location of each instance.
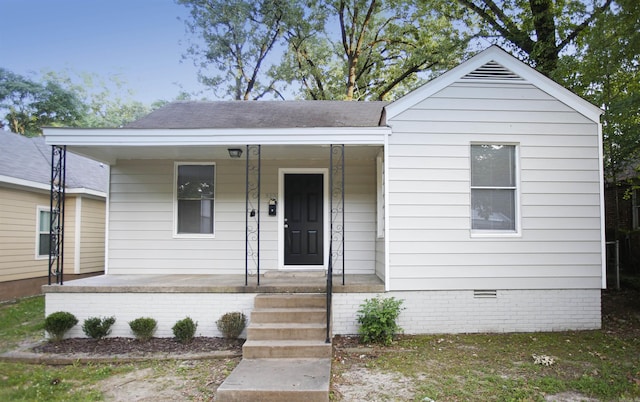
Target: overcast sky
(140, 41)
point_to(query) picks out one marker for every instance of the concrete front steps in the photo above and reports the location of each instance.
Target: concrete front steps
(285, 356)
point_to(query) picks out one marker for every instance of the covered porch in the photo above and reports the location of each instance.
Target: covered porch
(271, 282)
(203, 198)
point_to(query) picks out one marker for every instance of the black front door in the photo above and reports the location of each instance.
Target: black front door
(303, 219)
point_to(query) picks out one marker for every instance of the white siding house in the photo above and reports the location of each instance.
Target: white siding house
(477, 199)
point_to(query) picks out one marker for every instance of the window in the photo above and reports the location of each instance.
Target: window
(195, 190)
(635, 211)
(493, 188)
(380, 194)
(43, 239)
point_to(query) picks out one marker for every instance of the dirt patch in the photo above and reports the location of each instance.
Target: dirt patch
(184, 380)
(361, 384)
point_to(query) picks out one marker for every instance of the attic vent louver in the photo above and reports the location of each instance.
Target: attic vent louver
(492, 71)
(485, 294)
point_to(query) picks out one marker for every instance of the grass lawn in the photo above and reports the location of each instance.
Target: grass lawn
(603, 364)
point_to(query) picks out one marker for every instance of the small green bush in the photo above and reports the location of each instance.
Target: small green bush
(232, 324)
(98, 328)
(59, 323)
(184, 330)
(143, 328)
(377, 319)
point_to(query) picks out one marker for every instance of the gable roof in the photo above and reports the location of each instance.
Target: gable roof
(27, 161)
(262, 114)
(494, 64)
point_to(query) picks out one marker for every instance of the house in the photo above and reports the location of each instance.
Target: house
(477, 199)
(25, 174)
(622, 212)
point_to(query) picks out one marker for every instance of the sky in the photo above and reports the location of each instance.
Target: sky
(139, 41)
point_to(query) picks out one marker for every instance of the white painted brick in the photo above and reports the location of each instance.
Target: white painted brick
(458, 311)
(205, 308)
(425, 311)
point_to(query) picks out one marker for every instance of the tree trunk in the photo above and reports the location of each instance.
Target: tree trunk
(545, 50)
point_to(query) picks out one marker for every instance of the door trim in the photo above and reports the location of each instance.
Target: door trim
(325, 223)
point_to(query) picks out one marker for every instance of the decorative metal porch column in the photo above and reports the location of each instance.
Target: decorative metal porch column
(336, 210)
(336, 205)
(252, 213)
(56, 214)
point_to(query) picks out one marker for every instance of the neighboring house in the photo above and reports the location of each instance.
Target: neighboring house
(477, 199)
(25, 174)
(622, 205)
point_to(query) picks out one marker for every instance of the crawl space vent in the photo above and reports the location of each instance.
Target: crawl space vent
(493, 71)
(485, 294)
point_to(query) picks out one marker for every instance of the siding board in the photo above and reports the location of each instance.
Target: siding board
(141, 219)
(431, 244)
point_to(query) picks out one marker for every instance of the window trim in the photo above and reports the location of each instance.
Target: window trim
(39, 210)
(635, 209)
(516, 232)
(380, 191)
(177, 235)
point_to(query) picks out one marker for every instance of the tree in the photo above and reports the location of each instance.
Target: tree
(28, 105)
(381, 49)
(539, 29)
(335, 49)
(85, 100)
(239, 35)
(605, 70)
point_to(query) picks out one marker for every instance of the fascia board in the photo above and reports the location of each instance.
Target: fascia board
(28, 184)
(16, 183)
(236, 136)
(86, 191)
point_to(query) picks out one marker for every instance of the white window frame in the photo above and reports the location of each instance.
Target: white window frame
(175, 202)
(39, 210)
(380, 207)
(635, 209)
(516, 232)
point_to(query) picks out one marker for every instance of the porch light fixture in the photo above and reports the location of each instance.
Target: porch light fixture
(235, 152)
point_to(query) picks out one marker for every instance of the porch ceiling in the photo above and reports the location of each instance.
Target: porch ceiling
(111, 154)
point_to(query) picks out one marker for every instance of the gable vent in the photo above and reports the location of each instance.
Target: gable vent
(485, 294)
(492, 71)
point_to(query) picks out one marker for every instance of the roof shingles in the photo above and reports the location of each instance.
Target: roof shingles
(267, 114)
(30, 159)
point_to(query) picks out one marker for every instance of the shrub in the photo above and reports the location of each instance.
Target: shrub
(184, 330)
(57, 324)
(143, 328)
(232, 324)
(377, 319)
(98, 328)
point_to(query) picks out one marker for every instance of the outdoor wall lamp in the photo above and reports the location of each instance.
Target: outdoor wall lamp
(235, 152)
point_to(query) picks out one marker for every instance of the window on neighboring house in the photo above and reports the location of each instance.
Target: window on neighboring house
(493, 188)
(635, 200)
(195, 195)
(44, 235)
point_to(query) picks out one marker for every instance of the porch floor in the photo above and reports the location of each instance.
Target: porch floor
(218, 284)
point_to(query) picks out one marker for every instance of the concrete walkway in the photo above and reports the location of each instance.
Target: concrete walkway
(266, 380)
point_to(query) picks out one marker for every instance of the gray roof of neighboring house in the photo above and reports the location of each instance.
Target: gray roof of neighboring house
(264, 114)
(30, 159)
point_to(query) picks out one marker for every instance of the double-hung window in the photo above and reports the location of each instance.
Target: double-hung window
(44, 235)
(195, 196)
(493, 188)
